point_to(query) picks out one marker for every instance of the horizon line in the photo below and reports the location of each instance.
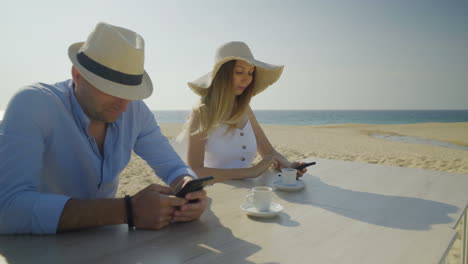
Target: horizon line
(333, 109)
(338, 109)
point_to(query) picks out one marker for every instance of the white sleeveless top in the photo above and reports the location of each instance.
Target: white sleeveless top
(236, 149)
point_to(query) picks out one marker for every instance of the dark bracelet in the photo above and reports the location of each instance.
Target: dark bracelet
(128, 205)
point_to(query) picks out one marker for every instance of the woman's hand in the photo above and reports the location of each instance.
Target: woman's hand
(299, 172)
(281, 162)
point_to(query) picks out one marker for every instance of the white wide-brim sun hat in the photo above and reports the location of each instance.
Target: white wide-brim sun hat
(112, 60)
(265, 74)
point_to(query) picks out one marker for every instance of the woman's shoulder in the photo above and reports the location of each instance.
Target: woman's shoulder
(249, 112)
(194, 120)
(193, 126)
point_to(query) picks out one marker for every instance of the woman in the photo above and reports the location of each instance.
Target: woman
(223, 133)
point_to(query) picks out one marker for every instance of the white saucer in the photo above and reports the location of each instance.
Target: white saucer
(289, 187)
(250, 209)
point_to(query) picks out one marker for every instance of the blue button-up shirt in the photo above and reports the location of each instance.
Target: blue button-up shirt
(48, 157)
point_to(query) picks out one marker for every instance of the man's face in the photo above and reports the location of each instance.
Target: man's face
(98, 105)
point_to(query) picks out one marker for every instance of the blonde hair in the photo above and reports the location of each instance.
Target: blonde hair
(221, 105)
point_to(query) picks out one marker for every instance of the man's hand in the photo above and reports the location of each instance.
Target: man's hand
(154, 206)
(189, 211)
(192, 211)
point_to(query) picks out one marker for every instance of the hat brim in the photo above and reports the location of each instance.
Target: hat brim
(129, 92)
(266, 75)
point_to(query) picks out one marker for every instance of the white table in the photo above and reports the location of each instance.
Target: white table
(348, 213)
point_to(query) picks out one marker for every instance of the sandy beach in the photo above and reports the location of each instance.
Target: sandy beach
(351, 142)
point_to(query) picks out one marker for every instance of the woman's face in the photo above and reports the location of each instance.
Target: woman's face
(242, 76)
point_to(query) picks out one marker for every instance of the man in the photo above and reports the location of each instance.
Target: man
(62, 146)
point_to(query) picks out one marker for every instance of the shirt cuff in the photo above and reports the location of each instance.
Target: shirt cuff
(180, 172)
(47, 212)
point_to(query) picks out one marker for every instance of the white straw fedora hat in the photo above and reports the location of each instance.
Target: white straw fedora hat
(112, 60)
(265, 74)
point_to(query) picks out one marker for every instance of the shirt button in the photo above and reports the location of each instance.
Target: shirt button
(242, 133)
(244, 147)
(242, 159)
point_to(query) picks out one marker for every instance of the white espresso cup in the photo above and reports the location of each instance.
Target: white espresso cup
(288, 176)
(260, 197)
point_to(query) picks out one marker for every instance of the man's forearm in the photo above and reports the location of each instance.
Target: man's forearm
(79, 214)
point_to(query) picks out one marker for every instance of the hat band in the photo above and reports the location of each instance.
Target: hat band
(108, 73)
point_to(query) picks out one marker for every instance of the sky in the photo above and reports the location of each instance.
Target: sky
(356, 54)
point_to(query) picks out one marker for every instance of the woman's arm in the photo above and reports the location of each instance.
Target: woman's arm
(265, 148)
(263, 144)
(196, 159)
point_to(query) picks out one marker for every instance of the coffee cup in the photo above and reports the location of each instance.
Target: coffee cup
(288, 176)
(260, 197)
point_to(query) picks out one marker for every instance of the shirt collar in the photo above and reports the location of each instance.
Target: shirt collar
(80, 117)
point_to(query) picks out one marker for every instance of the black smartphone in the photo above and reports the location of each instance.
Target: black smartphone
(303, 166)
(193, 186)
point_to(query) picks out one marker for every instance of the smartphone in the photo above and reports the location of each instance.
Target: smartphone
(303, 166)
(193, 186)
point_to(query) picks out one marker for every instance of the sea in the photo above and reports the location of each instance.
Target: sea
(325, 117)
